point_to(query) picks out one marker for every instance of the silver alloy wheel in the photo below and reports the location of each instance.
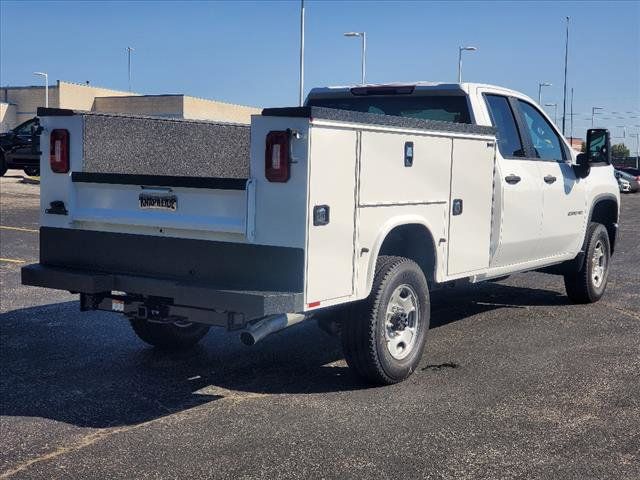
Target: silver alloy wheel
(598, 264)
(402, 321)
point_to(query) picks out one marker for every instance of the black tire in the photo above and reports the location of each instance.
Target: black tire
(588, 284)
(3, 165)
(364, 335)
(169, 336)
(32, 171)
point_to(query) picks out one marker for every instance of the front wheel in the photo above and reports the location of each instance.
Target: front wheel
(3, 165)
(32, 171)
(384, 339)
(169, 336)
(588, 284)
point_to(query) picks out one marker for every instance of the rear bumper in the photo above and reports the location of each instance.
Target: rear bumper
(250, 304)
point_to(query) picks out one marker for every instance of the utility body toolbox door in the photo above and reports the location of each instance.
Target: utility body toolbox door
(331, 214)
(470, 205)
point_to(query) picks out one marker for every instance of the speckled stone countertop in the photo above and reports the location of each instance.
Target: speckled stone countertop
(136, 145)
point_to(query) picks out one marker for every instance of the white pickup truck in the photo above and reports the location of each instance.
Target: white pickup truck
(349, 209)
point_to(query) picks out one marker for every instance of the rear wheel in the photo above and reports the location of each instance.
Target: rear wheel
(32, 171)
(384, 339)
(3, 165)
(588, 284)
(169, 336)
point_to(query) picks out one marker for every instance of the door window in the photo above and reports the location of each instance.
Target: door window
(509, 141)
(25, 128)
(546, 142)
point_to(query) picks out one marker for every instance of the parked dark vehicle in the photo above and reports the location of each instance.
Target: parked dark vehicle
(20, 148)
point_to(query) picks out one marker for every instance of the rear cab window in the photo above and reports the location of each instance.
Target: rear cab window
(444, 108)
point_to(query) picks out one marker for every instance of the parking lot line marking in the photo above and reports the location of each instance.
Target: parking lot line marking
(19, 229)
(12, 260)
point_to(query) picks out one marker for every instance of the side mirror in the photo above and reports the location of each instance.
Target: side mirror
(598, 145)
(582, 167)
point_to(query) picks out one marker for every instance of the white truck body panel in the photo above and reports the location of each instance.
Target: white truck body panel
(358, 170)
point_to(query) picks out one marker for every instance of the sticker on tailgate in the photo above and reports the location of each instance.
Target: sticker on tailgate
(162, 202)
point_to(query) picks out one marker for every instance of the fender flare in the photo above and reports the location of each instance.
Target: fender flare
(387, 227)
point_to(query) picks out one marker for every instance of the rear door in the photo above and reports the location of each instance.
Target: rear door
(517, 213)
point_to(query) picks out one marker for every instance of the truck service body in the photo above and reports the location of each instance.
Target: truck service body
(348, 208)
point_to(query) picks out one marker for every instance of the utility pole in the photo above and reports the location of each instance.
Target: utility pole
(301, 93)
(564, 98)
(129, 50)
(363, 55)
(572, 114)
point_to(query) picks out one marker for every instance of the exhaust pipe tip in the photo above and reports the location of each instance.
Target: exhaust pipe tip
(247, 339)
(268, 325)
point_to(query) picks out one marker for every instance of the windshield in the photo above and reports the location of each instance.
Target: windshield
(445, 108)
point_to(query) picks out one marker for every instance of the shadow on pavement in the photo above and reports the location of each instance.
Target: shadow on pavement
(90, 370)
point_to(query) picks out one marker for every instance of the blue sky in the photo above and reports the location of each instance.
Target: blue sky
(247, 52)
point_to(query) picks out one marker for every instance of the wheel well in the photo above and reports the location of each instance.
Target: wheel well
(412, 241)
(606, 212)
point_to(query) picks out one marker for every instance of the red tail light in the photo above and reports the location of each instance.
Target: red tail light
(59, 151)
(276, 157)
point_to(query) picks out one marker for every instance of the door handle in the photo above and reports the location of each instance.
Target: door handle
(512, 179)
(550, 179)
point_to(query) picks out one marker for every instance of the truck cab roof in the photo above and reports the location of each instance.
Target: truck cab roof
(410, 88)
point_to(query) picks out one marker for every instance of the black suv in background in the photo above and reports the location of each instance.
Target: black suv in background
(20, 148)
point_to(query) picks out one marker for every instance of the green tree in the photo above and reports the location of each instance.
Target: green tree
(619, 150)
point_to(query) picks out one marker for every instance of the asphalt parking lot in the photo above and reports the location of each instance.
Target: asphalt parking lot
(515, 383)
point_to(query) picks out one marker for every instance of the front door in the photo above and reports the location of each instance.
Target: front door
(564, 207)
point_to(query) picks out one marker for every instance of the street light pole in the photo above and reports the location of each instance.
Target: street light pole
(594, 110)
(46, 87)
(555, 111)
(564, 97)
(129, 50)
(362, 35)
(540, 85)
(460, 50)
(301, 93)
(637, 135)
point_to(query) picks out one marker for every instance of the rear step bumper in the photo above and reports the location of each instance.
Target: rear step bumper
(250, 304)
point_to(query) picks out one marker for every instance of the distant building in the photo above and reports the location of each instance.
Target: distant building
(176, 106)
(19, 104)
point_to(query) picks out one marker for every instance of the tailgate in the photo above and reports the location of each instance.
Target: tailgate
(150, 175)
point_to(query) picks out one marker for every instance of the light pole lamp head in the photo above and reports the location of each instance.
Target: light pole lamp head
(550, 104)
(353, 34)
(468, 49)
(40, 74)
(545, 84)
